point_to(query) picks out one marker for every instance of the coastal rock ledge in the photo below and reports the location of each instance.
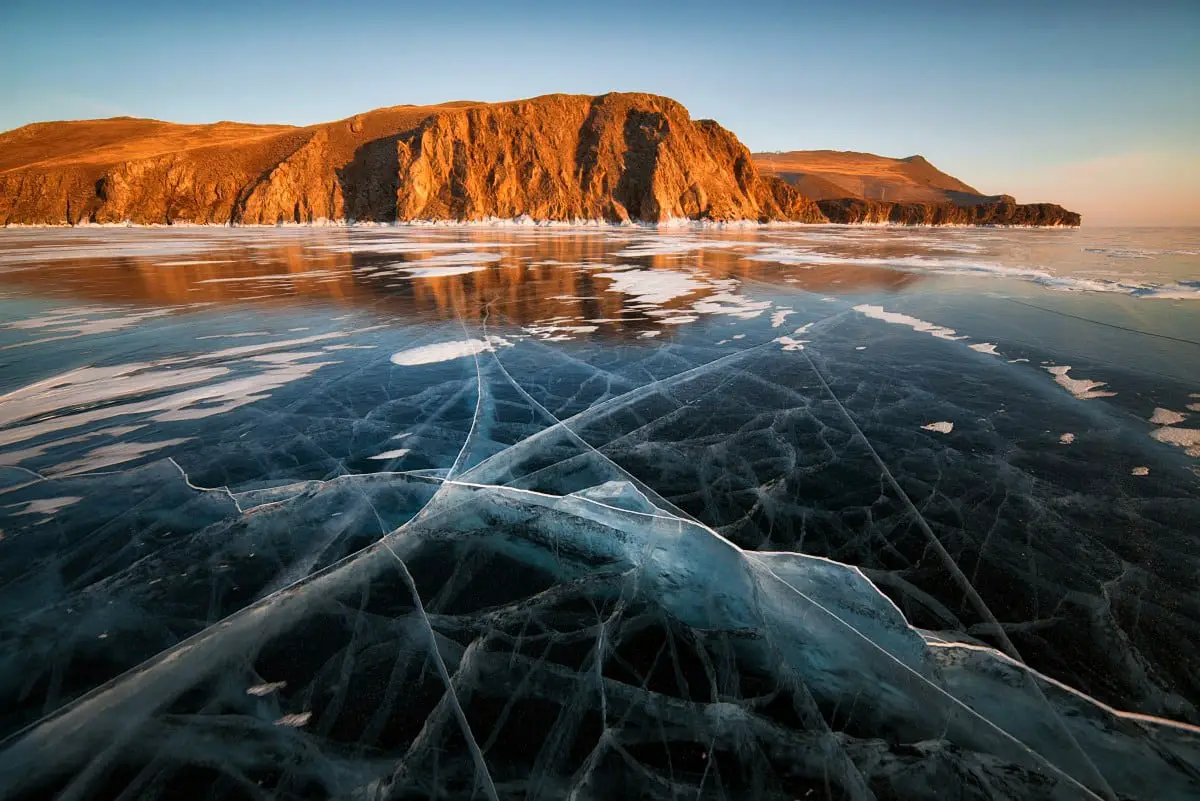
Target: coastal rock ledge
(618, 157)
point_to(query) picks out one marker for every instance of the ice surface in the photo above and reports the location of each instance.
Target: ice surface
(597, 527)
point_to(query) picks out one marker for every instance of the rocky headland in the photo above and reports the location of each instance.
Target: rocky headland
(619, 157)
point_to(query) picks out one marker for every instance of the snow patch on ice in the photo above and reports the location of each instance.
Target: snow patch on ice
(1166, 417)
(653, 286)
(396, 454)
(48, 506)
(941, 427)
(916, 324)
(260, 690)
(1081, 388)
(446, 351)
(1188, 438)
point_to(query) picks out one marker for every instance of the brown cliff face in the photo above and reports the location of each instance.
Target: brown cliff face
(559, 157)
(1003, 210)
(617, 157)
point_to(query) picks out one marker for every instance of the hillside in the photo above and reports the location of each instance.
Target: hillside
(830, 174)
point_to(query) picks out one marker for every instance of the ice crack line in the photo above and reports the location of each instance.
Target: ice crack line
(959, 577)
(489, 786)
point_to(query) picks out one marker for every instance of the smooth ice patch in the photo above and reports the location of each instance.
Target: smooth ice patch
(446, 351)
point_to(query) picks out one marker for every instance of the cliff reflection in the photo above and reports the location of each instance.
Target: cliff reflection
(521, 277)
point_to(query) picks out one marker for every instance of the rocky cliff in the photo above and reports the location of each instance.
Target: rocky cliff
(615, 157)
(1001, 210)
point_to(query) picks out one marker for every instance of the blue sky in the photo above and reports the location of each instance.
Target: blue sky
(1024, 98)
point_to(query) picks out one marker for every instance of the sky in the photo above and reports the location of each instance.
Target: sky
(1094, 105)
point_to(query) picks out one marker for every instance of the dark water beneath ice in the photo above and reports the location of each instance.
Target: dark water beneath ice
(447, 512)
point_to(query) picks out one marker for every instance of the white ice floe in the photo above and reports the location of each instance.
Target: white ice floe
(1081, 388)
(916, 324)
(294, 721)
(193, 262)
(239, 335)
(1188, 438)
(276, 277)
(109, 455)
(446, 351)
(442, 272)
(792, 343)
(396, 454)
(80, 321)
(556, 332)
(653, 286)
(261, 690)
(732, 304)
(941, 427)
(48, 506)
(668, 246)
(1166, 417)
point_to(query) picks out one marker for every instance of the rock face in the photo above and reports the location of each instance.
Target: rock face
(616, 157)
(1002, 210)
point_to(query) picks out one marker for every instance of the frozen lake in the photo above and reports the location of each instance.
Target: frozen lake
(542, 512)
